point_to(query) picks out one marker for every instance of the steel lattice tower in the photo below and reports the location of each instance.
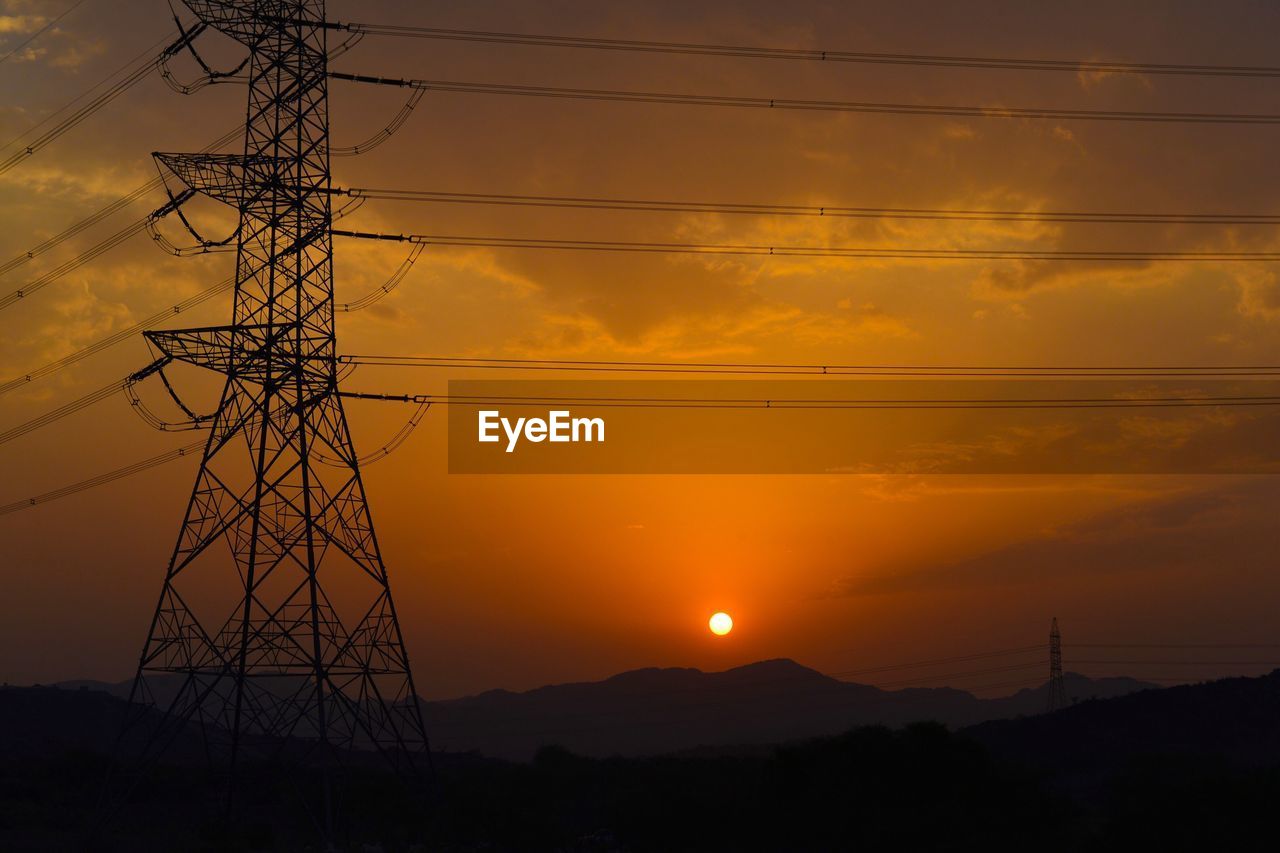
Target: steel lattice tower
(275, 626)
(1057, 688)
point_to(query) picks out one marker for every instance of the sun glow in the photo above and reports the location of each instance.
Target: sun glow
(720, 624)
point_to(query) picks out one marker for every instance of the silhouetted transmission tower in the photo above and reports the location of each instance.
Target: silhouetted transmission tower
(1057, 689)
(275, 630)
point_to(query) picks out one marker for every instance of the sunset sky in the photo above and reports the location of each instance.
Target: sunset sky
(519, 581)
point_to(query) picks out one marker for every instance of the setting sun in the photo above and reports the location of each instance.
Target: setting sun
(720, 624)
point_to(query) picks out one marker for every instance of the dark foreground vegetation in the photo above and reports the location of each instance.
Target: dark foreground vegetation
(1194, 768)
(920, 788)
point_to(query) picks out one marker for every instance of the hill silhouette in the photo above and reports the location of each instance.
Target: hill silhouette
(1187, 768)
(1234, 719)
(658, 710)
(651, 711)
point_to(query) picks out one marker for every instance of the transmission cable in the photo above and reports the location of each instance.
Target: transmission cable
(117, 337)
(910, 682)
(133, 72)
(149, 224)
(1004, 685)
(884, 108)
(820, 404)
(112, 208)
(783, 369)
(390, 446)
(102, 479)
(52, 22)
(73, 264)
(1074, 662)
(130, 74)
(86, 223)
(61, 412)
(103, 246)
(808, 54)
(1041, 664)
(380, 292)
(853, 252)
(1175, 645)
(771, 209)
(185, 305)
(920, 664)
(385, 133)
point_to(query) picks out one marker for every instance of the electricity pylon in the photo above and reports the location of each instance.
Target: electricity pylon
(275, 629)
(1057, 688)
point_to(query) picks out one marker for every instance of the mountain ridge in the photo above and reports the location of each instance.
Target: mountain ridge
(652, 710)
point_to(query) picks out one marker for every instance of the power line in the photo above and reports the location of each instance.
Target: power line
(61, 412)
(853, 252)
(881, 108)
(808, 54)
(1175, 662)
(772, 209)
(101, 479)
(116, 337)
(834, 404)
(1188, 679)
(1175, 645)
(784, 369)
(48, 26)
(378, 293)
(668, 367)
(924, 679)
(73, 264)
(152, 321)
(84, 224)
(134, 72)
(130, 74)
(1017, 650)
(93, 219)
(1022, 683)
(724, 403)
(1041, 647)
(131, 230)
(949, 676)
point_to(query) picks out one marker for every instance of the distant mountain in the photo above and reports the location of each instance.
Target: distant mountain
(1187, 768)
(651, 711)
(41, 722)
(1233, 719)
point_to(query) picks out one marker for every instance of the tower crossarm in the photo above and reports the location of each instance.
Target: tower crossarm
(248, 184)
(250, 352)
(244, 21)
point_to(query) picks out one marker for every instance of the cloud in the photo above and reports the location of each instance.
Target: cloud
(1091, 78)
(1259, 293)
(21, 24)
(75, 54)
(57, 47)
(1197, 527)
(959, 132)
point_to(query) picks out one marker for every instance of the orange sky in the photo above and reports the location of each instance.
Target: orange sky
(519, 581)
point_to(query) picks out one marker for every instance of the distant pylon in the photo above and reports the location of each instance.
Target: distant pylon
(1057, 689)
(275, 633)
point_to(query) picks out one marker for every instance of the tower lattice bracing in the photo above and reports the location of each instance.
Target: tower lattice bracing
(275, 624)
(1057, 689)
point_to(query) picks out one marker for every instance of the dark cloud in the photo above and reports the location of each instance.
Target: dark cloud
(1214, 529)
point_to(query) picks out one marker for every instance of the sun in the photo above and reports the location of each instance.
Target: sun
(720, 624)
